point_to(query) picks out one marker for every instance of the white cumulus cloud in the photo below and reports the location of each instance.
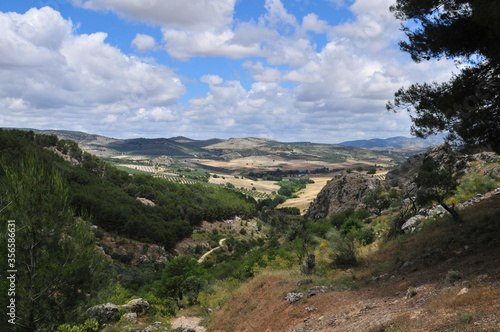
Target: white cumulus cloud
(49, 72)
(143, 43)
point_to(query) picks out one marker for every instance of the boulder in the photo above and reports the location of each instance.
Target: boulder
(411, 224)
(138, 306)
(103, 313)
(131, 317)
(317, 290)
(293, 297)
(304, 282)
(185, 328)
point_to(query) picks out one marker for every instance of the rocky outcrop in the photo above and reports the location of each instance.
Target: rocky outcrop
(138, 306)
(344, 191)
(108, 312)
(437, 211)
(293, 297)
(404, 175)
(163, 160)
(103, 313)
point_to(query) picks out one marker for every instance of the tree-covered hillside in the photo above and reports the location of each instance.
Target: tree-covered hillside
(108, 196)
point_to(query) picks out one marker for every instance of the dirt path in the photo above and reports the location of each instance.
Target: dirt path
(188, 321)
(202, 258)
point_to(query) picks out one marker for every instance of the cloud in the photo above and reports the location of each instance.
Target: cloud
(192, 14)
(143, 43)
(49, 72)
(184, 44)
(311, 22)
(341, 90)
(298, 90)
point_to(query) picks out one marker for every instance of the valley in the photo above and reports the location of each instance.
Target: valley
(281, 244)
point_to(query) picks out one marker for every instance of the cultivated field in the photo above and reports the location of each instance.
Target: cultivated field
(266, 187)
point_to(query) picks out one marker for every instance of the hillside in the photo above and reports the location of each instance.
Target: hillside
(440, 279)
(240, 155)
(369, 254)
(438, 276)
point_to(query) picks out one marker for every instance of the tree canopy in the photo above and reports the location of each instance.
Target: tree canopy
(467, 106)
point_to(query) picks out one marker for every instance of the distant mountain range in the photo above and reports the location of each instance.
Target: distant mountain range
(398, 144)
(396, 148)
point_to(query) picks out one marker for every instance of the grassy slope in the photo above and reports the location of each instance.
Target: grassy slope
(419, 263)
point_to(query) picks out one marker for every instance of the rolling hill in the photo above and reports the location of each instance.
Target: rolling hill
(244, 154)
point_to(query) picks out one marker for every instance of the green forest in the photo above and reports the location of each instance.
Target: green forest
(108, 196)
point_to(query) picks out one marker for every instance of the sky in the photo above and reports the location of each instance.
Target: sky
(290, 70)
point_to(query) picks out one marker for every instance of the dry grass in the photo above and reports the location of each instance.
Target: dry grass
(258, 305)
(420, 262)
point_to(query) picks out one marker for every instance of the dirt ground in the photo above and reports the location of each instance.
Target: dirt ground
(188, 321)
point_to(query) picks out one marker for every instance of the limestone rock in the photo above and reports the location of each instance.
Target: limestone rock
(293, 297)
(304, 282)
(138, 306)
(185, 328)
(411, 224)
(155, 327)
(131, 317)
(316, 290)
(103, 313)
(344, 191)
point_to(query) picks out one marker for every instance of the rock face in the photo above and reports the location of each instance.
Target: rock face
(340, 193)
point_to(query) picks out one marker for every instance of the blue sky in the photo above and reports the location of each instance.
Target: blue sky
(290, 70)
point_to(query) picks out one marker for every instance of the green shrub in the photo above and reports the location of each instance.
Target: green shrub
(453, 276)
(342, 249)
(365, 236)
(351, 226)
(465, 318)
(473, 185)
(88, 326)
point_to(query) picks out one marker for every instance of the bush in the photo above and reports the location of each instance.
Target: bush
(473, 185)
(453, 276)
(365, 236)
(342, 249)
(290, 210)
(351, 226)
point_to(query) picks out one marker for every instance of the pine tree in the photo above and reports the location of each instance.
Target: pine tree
(468, 106)
(54, 253)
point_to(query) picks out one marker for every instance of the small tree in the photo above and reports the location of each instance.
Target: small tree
(182, 277)
(377, 201)
(436, 182)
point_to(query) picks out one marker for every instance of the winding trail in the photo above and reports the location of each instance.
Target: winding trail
(202, 258)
